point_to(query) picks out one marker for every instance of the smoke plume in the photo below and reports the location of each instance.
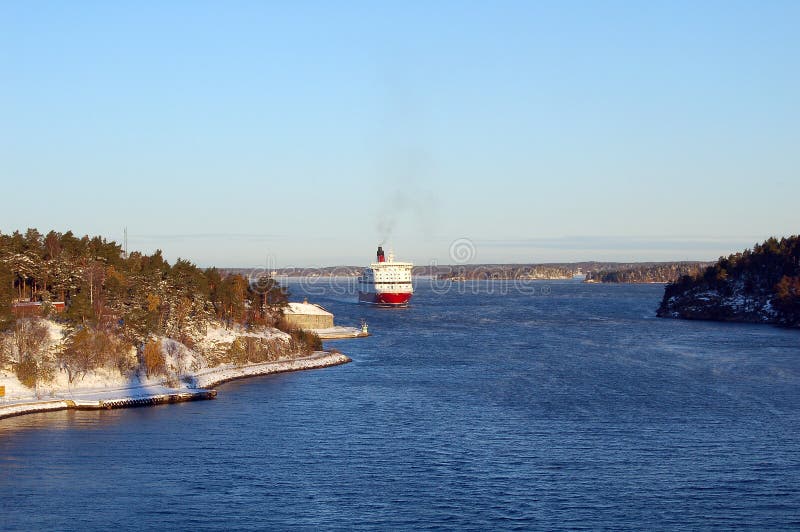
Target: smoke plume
(403, 207)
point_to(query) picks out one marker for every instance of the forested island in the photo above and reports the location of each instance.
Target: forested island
(646, 272)
(590, 271)
(80, 310)
(482, 272)
(761, 285)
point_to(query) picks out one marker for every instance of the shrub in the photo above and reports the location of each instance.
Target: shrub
(30, 371)
(30, 340)
(78, 354)
(88, 349)
(6, 349)
(787, 299)
(153, 359)
(237, 352)
(306, 341)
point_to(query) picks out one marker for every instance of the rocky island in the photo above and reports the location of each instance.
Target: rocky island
(85, 324)
(643, 273)
(761, 285)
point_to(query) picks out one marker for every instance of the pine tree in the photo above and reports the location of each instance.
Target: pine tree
(6, 295)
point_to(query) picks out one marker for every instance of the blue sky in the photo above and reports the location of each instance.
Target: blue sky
(304, 133)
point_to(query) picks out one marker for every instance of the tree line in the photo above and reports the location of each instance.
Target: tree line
(768, 274)
(116, 298)
(663, 272)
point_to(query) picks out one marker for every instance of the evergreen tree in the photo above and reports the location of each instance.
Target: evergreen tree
(6, 296)
(135, 297)
(765, 277)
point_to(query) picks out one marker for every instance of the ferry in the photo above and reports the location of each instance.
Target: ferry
(386, 282)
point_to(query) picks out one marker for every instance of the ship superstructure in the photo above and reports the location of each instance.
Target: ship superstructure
(386, 282)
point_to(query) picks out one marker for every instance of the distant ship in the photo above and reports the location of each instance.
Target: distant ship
(386, 282)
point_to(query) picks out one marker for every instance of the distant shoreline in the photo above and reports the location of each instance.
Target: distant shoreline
(149, 395)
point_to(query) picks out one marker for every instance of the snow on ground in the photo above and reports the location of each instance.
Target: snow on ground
(104, 384)
(735, 302)
(15, 391)
(338, 331)
(768, 310)
(226, 372)
(31, 408)
(56, 330)
(217, 336)
(179, 359)
(306, 308)
(94, 398)
(96, 382)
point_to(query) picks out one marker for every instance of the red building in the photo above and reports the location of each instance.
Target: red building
(34, 308)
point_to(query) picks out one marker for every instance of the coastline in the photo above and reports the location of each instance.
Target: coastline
(221, 374)
(148, 394)
(339, 332)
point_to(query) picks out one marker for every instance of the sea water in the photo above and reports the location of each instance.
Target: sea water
(484, 405)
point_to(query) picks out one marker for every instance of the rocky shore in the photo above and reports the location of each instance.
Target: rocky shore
(710, 304)
(199, 387)
(759, 285)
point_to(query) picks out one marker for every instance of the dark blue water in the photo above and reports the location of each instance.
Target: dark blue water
(573, 409)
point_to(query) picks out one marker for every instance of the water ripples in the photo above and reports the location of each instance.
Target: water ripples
(465, 411)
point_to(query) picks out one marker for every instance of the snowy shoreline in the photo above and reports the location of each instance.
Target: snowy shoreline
(221, 374)
(339, 332)
(152, 394)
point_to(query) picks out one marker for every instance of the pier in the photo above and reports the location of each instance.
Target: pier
(18, 409)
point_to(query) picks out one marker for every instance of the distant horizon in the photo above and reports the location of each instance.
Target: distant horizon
(463, 251)
(597, 249)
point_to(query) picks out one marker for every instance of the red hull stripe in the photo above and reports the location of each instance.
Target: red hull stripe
(385, 298)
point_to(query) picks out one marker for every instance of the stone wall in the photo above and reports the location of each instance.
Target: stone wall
(309, 321)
